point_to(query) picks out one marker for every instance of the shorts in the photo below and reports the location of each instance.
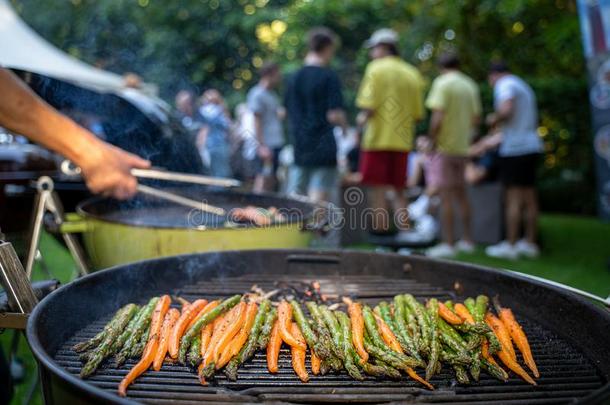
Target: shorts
(304, 179)
(518, 170)
(384, 168)
(452, 170)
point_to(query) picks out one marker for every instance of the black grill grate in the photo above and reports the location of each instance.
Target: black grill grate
(565, 374)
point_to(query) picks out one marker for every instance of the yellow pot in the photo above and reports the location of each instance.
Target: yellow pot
(109, 242)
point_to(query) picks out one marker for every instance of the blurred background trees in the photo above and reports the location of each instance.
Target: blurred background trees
(220, 43)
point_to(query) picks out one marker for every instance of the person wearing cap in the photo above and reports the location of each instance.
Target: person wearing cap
(455, 104)
(314, 106)
(516, 114)
(105, 168)
(390, 98)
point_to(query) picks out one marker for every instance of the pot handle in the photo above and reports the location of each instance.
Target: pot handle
(319, 221)
(74, 223)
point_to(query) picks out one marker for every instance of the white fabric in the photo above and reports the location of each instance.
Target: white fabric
(22, 48)
(519, 133)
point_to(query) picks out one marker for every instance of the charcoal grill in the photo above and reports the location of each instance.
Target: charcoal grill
(568, 335)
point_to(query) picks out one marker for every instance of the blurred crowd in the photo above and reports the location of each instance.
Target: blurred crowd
(302, 142)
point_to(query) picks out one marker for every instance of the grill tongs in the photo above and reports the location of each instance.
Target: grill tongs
(70, 169)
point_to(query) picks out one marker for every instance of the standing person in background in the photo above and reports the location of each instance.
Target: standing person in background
(391, 102)
(185, 108)
(314, 104)
(516, 114)
(456, 112)
(263, 102)
(214, 135)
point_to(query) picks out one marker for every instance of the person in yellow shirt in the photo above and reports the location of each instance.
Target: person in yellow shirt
(456, 109)
(391, 102)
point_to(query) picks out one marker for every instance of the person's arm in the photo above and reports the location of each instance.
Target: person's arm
(436, 120)
(415, 178)
(105, 168)
(335, 113)
(338, 118)
(503, 113)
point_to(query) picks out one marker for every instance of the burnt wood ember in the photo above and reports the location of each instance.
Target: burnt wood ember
(568, 336)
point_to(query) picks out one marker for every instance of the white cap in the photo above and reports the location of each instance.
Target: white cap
(382, 36)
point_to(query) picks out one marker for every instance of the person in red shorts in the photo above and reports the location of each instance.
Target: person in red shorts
(391, 102)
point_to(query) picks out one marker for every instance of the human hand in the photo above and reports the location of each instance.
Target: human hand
(264, 152)
(107, 171)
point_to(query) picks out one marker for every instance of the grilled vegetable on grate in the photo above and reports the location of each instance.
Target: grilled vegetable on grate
(394, 337)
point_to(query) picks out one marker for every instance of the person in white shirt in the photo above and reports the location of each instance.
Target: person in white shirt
(516, 114)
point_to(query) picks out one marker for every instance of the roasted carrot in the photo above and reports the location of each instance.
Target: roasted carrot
(168, 324)
(151, 346)
(181, 324)
(354, 309)
(486, 355)
(230, 331)
(298, 354)
(284, 318)
(315, 363)
(218, 331)
(464, 313)
(417, 378)
(519, 337)
(448, 315)
(387, 335)
(273, 348)
(183, 303)
(240, 338)
(502, 334)
(206, 335)
(514, 366)
(207, 308)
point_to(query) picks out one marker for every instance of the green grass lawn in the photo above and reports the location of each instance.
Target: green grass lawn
(576, 252)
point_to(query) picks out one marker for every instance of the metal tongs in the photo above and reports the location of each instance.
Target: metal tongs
(68, 168)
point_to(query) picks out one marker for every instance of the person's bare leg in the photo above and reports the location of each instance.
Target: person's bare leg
(530, 214)
(259, 182)
(513, 213)
(447, 199)
(380, 219)
(464, 207)
(318, 195)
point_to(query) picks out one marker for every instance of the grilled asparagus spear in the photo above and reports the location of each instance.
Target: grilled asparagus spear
(194, 354)
(434, 341)
(138, 348)
(402, 332)
(317, 345)
(195, 330)
(140, 327)
(422, 320)
(99, 338)
(323, 331)
(263, 338)
(346, 340)
(102, 351)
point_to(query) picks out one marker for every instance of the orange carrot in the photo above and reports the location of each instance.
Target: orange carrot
(354, 309)
(387, 335)
(448, 315)
(230, 331)
(240, 338)
(168, 324)
(519, 337)
(298, 355)
(218, 327)
(181, 324)
(487, 356)
(417, 378)
(513, 365)
(206, 335)
(284, 318)
(464, 313)
(502, 334)
(273, 348)
(207, 308)
(315, 363)
(151, 346)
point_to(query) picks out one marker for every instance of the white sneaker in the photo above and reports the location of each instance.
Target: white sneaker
(442, 250)
(503, 250)
(464, 246)
(419, 207)
(527, 249)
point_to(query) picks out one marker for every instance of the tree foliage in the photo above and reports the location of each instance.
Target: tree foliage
(221, 43)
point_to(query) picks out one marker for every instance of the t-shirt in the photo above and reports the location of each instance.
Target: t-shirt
(393, 89)
(310, 93)
(213, 115)
(519, 133)
(265, 104)
(457, 95)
